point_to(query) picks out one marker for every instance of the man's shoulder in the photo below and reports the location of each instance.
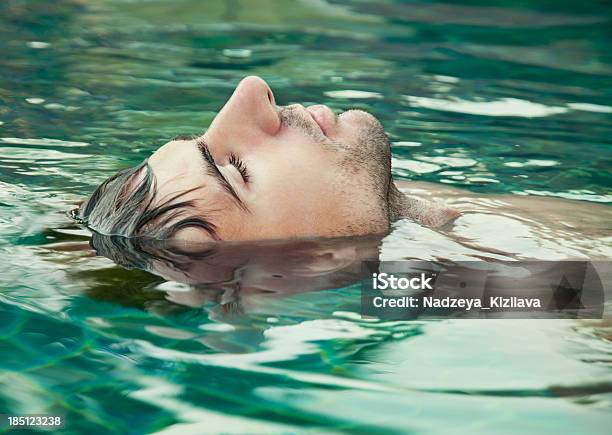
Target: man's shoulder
(421, 203)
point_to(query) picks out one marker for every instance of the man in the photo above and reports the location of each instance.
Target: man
(262, 172)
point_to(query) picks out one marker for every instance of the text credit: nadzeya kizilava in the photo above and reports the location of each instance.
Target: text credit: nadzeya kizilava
(422, 282)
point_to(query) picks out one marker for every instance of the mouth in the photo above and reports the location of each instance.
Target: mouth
(323, 117)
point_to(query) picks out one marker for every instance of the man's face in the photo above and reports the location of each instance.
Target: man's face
(265, 172)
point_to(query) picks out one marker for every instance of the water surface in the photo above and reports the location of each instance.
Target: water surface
(495, 97)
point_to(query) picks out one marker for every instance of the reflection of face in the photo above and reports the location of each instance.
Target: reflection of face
(280, 172)
(283, 267)
(245, 270)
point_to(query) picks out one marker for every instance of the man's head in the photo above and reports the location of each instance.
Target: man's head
(259, 172)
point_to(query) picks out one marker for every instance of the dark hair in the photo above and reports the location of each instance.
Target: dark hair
(123, 205)
(140, 253)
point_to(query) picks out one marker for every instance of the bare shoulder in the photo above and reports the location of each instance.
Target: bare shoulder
(555, 212)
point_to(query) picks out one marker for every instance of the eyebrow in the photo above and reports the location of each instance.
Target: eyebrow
(212, 168)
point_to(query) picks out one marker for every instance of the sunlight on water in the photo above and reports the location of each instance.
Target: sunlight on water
(348, 94)
(504, 107)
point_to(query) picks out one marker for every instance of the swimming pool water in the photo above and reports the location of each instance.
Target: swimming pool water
(496, 97)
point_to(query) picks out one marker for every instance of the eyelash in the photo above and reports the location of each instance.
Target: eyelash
(233, 160)
(239, 164)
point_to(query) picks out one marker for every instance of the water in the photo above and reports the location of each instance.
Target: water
(505, 98)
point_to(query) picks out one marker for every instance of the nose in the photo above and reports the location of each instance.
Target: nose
(250, 114)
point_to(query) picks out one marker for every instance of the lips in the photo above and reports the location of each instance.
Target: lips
(323, 116)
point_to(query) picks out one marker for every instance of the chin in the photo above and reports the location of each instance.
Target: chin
(359, 117)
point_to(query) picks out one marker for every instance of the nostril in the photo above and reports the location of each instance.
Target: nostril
(270, 97)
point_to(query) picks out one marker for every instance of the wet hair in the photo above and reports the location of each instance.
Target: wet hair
(141, 253)
(124, 205)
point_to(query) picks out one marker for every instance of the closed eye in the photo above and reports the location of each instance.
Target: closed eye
(212, 169)
(239, 164)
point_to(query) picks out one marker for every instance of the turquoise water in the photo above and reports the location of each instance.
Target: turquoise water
(507, 98)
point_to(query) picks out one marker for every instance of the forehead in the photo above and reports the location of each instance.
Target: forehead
(177, 164)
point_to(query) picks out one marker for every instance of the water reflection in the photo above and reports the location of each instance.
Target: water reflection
(235, 274)
(232, 279)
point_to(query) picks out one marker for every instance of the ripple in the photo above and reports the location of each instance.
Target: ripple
(483, 16)
(453, 162)
(57, 106)
(532, 162)
(35, 154)
(38, 44)
(167, 332)
(42, 141)
(239, 53)
(446, 79)
(581, 195)
(502, 107)
(482, 180)
(414, 166)
(587, 107)
(353, 94)
(407, 144)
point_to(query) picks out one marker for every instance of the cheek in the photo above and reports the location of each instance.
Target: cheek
(291, 196)
(296, 175)
(294, 190)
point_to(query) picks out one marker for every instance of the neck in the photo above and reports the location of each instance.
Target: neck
(424, 212)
